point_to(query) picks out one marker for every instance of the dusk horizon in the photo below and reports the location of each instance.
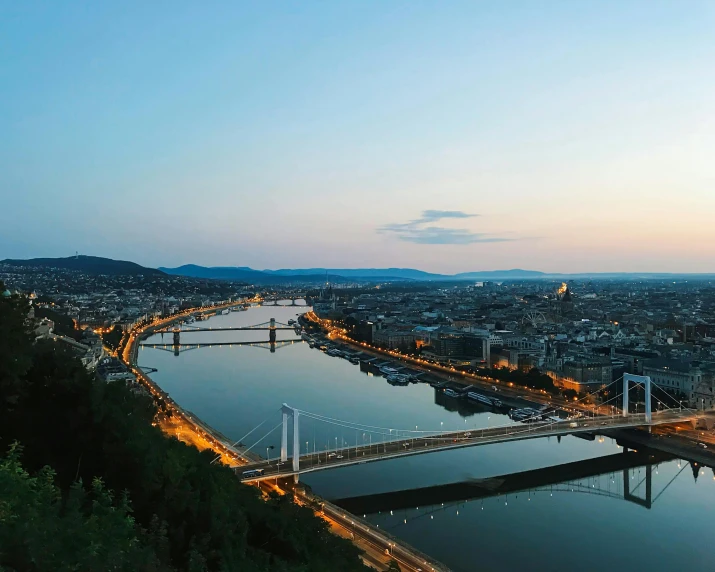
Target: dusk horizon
(562, 138)
(359, 285)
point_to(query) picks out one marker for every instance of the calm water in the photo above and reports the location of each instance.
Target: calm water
(585, 525)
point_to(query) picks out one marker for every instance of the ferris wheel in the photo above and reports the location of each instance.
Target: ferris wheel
(533, 318)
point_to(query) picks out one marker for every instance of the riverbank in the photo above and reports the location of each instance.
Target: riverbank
(379, 548)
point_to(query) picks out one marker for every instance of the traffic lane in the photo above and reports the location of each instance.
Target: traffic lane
(369, 453)
(384, 548)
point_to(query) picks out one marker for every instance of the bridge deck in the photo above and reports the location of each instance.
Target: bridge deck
(453, 440)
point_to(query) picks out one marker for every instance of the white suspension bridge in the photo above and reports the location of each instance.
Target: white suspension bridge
(389, 443)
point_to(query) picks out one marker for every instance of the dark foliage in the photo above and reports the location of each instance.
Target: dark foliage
(88, 265)
(64, 325)
(148, 502)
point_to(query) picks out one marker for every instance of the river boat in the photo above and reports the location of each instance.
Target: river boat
(387, 370)
(474, 396)
(354, 360)
(398, 379)
(291, 322)
(451, 393)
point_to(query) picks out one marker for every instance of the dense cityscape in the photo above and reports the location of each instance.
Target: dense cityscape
(584, 335)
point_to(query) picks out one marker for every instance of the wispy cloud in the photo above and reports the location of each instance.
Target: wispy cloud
(418, 232)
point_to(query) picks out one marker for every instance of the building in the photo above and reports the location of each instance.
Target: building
(691, 380)
(587, 372)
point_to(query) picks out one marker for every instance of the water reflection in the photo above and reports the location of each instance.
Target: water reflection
(236, 387)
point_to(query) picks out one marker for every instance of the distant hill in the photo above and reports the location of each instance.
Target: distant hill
(88, 265)
(363, 273)
(500, 274)
(238, 273)
(318, 275)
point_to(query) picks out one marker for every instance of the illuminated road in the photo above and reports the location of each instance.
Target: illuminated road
(450, 440)
(378, 548)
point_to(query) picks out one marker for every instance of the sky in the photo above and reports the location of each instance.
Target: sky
(450, 136)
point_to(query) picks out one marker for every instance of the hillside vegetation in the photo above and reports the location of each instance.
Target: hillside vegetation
(88, 265)
(87, 483)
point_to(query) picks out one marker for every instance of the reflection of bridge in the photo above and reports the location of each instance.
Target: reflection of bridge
(598, 477)
(545, 479)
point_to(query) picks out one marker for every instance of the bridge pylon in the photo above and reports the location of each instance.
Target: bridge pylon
(272, 332)
(645, 380)
(287, 410)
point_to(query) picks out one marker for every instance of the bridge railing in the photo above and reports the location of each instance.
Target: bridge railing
(581, 424)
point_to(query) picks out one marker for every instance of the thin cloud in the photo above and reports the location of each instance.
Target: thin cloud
(416, 231)
(433, 215)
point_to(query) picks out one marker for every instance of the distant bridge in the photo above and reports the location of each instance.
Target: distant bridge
(272, 326)
(184, 347)
(293, 298)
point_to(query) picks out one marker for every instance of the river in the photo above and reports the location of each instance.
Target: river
(585, 525)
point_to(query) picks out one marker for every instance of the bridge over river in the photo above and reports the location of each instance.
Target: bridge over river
(395, 444)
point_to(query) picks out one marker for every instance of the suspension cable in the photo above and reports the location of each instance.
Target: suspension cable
(247, 434)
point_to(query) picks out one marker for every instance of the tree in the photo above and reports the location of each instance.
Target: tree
(185, 513)
(393, 566)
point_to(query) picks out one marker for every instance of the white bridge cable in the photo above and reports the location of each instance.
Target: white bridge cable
(360, 426)
(516, 429)
(261, 439)
(398, 434)
(367, 428)
(375, 431)
(667, 408)
(247, 434)
(679, 402)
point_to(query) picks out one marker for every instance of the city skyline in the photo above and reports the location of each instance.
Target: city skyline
(563, 138)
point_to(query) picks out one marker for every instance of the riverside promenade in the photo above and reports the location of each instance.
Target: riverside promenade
(378, 547)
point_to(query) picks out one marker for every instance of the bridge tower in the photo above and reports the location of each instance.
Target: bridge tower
(272, 332)
(287, 410)
(645, 380)
(177, 337)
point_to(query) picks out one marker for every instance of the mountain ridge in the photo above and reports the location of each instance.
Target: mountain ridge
(88, 264)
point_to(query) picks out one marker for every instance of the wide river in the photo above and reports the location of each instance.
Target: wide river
(580, 525)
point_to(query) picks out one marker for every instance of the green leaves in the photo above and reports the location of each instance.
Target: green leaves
(121, 495)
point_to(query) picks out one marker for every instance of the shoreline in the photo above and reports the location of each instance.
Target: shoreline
(377, 546)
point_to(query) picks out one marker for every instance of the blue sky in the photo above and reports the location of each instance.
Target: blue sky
(449, 136)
